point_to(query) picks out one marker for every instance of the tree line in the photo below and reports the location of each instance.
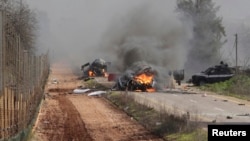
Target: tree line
(207, 31)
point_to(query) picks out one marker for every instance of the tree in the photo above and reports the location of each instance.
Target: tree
(207, 31)
(23, 20)
(25, 25)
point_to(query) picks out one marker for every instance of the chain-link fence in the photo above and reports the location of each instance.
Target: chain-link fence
(22, 79)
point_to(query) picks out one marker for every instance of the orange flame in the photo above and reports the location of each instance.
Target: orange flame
(146, 79)
(151, 90)
(105, 74)
(91, 73)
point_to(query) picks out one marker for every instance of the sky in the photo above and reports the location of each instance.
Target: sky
(234, 9)
(75, 30)
(236, 19)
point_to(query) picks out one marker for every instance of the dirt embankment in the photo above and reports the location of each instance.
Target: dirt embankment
(78, 117)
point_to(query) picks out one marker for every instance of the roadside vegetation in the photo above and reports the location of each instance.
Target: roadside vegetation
(162, 124)
(238, 86)
(93, 84)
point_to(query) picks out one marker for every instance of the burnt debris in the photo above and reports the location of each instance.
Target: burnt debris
(139, 77)
(98, 68)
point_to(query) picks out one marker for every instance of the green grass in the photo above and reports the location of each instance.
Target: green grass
(238, 86)
(93, 84)
(196, 135)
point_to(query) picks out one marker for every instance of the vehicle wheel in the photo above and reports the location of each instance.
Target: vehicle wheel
(202, 82)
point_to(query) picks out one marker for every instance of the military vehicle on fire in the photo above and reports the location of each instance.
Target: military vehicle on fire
(98, 68)
(139, 77)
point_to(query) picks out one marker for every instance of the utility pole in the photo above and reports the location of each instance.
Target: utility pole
(236, 52)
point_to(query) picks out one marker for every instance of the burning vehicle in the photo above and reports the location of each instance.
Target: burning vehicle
(139, 77)
(98, 68)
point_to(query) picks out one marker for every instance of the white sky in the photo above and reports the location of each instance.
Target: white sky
(234, 9)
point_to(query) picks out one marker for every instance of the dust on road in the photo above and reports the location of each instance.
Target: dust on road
(66, 117)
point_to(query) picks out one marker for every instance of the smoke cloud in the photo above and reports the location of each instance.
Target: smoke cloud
(147, 34)
(121, 32)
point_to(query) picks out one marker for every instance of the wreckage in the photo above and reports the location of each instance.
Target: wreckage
(142, 77)
(98, 68)
(139, 77)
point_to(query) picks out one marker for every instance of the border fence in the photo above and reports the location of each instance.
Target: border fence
(22, 79)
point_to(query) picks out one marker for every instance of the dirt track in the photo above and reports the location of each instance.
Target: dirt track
(67, 116)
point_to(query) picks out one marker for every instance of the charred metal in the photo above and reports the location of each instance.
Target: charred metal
(138, 78)
(98, 68)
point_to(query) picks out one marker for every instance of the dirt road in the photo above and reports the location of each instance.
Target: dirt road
(66, 117)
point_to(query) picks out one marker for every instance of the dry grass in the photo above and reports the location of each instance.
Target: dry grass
(161, 123)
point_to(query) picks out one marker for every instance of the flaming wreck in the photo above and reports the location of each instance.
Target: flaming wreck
(139, 77)
(98, 68)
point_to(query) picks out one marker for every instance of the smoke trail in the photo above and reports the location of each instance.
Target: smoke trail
(147, 34)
